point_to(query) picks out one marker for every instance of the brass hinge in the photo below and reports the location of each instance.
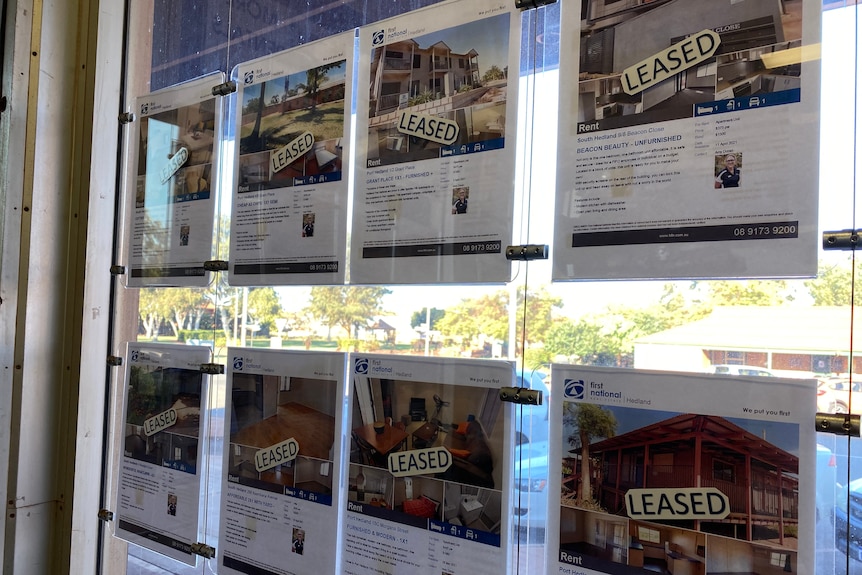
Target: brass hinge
(212, 368)
(203, 550)
(115, 360)
(215, 265)
(228, 87)
(106, 515)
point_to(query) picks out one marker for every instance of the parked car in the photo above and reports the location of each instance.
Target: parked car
(838, 395)
(852, 545)
(530, 498)
(729, 369)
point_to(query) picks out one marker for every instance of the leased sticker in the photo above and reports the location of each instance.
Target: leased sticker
(283, 157)
(434, 128)
(159, 422)
(269, 457)
(419, 461)
(681, 56)
(680, 503)
(175, 163)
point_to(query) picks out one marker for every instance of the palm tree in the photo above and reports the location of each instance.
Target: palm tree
(590, 421)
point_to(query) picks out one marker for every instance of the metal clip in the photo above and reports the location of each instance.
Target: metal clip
(228, 87)
(203, 550)
(215, 266)
(521, 395)
(115, 360)
(837, 423)
(212, 368)
(841, 240)
(126, 118)
(106, 515)
(530, 4)
(527, 252)
(118, 270)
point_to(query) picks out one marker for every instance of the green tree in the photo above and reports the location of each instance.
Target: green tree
(314, 78)
(588, 422)
(539, 306)
(493, 73)
(487, 315)
(746, 292)
(263, 307)
(152, 310)
(349, 307)
(418, 318)
(673, 309)
(253, 105)
(224, 298)
(181, 305)
(832, 286)
(583, 339)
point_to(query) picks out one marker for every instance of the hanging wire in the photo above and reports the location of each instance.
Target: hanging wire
(109, 398)
(532, 33)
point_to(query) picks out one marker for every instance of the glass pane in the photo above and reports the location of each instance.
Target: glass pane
(670, 325)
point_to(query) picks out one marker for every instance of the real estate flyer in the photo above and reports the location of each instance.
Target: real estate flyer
(289, 221)
(429, 482)
(159, 496)
(174, 159)
(676, 473)
(280, 490)
(435, 156)
(679, 152)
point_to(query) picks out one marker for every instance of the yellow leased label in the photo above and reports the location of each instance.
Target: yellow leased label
(283, 157)
(680, 503)
(419, 461)
(690, 52)
(159, 422)
(269, 457)
(434, 128)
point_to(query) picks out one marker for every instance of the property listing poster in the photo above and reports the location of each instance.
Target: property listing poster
(429, 481)
(289, 220)
(159, 495)
(435, 159)
(674, 473)
(280, 490)
(174, 163)
(688, 139)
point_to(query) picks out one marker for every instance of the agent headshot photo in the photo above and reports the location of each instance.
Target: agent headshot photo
(459, 203)
(727, 170)
(298, 543)
(308, 225)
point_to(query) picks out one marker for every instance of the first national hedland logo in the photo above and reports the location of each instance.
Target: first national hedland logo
(378, 37)
(237, 364)
(574, 388)
(361, 365)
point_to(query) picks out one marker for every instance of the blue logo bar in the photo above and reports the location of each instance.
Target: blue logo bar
(474, 148)
(748, 103)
